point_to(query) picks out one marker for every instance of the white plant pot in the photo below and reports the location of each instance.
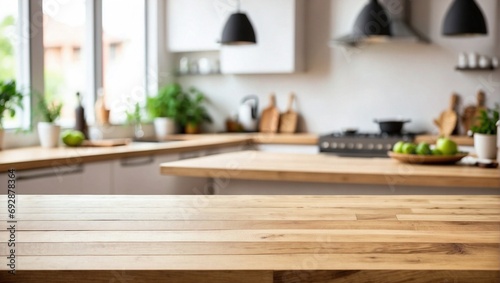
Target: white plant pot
(164, 127)
(485, 146)
(48, 134)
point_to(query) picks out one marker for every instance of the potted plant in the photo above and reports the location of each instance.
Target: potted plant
(48, 131)
(485, 134)
(164, 109)
(10, 100)
(193, 113)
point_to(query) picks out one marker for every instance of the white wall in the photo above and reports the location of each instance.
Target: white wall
(344, 88)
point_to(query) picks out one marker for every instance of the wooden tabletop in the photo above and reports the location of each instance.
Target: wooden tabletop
(323, 168)
(37, 157)
(256, 233)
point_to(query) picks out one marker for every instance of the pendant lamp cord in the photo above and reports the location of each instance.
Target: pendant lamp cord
(238, 5)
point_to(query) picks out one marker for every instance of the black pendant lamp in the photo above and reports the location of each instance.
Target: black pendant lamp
(464, 18)
(373, 21)
(238, 30)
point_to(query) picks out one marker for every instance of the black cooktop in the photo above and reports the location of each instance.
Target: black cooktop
(377, 135)
(361, 144)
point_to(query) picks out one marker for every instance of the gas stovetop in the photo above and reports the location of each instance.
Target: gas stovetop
(361, 144)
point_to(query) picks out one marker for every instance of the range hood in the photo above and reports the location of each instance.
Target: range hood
(398, 12)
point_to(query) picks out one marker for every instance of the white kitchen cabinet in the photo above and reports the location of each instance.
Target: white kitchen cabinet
(279, 27)
(141, 176)
(89, 178)
(194, 25)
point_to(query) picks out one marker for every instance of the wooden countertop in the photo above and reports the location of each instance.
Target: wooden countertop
(261, 138)
(359, 235)
(322, 168)
(460, 140)
(309, 139)
(37, 157)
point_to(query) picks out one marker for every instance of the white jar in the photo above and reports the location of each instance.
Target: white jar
(184, 66)
(494, 62)
(463, 62)
(484, 62)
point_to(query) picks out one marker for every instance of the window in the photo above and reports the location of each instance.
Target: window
(124, 55)
(9, 14)
(69, 29)
(63, 40)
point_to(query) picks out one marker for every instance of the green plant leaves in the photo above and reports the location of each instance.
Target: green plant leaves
(50, 111)
(10, 99)
(487, 122)
(172, 102)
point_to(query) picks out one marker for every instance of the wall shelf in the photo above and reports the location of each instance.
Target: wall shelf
(475, 69)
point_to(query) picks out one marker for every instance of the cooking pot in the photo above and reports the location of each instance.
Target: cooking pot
(391, 126)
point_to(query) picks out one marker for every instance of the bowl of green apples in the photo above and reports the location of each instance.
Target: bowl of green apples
(445, 151)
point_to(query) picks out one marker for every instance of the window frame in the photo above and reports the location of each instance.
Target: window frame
(30, 56)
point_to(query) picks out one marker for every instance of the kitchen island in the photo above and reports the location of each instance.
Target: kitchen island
(254, 239)
(316, 169)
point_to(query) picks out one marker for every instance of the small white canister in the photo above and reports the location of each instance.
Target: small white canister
(473, 59)
(463, 61)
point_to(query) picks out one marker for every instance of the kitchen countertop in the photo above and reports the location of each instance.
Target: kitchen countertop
(460, 140)
(323, 168)
(255, 238)
(310, 139)
(37, 157)
(260, 138)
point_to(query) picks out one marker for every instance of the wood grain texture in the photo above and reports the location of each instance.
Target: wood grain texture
(313, 276)
(390, 276)
(269, 118)
(288, 120)
(354, 237)
(150, 276)
(37, 157)
(447, 121)
(260, 138)
(254, 165)
(460, 140)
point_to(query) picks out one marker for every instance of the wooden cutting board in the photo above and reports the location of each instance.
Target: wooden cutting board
(269, 120)
(288, 120)
(447, 121)
(471, 112)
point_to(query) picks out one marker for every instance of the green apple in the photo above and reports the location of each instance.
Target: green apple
(409, 148)
(447, 146)
(424, 149)
(436, 152)
(72, 138)
(398, 147)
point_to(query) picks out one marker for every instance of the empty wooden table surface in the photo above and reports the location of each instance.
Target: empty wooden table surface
(253, 239)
